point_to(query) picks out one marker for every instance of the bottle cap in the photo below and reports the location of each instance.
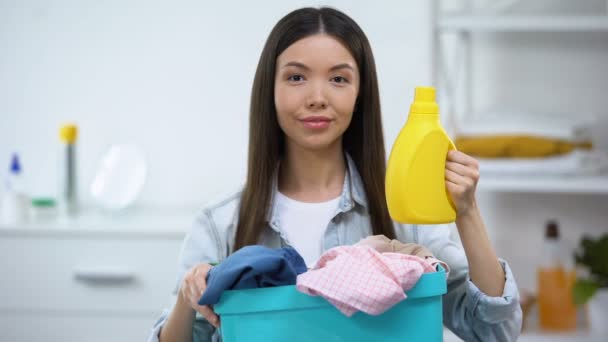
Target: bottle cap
(15, 165)
(68, 133)
(551, 230)
(424, 101)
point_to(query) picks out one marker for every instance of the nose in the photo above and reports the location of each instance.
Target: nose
(317, 99)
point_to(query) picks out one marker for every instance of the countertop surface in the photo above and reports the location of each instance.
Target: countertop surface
(136, 222)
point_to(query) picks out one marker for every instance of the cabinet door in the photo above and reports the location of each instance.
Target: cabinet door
(75, 327)
(94, 275)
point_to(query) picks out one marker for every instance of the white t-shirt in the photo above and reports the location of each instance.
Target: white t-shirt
(304, 224)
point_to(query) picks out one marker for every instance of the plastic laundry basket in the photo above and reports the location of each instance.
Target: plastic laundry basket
(284, 314)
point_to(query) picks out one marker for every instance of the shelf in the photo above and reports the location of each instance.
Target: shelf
(130, 223)
(448, 336)
(565, 337)
(565, 184)
(504, 23)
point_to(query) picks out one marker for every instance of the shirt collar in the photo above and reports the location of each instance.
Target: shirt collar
(352, 192)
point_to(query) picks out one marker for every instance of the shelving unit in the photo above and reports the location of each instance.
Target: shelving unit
(497, 23)
(566, 185)
(464, 26)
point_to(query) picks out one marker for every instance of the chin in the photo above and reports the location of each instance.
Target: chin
(318, 143)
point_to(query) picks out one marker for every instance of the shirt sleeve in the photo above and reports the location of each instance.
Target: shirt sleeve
(468, 312)
(202, 244)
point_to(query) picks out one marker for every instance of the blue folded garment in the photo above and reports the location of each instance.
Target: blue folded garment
(253, 267)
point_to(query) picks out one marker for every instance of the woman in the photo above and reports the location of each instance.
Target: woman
(316, 151)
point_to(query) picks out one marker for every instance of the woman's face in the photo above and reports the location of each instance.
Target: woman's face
(316, 86)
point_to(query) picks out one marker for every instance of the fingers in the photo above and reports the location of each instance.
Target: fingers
(186, 287)
(454, 188)
(462, 158)
(209, 315)
(194, 294)
(466, 167)
(461, 177)
(453, 177)
(462, 170)
(195, 283)
(200, 278)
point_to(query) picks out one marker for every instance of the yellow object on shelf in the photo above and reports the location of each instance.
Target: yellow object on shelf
(516, 146)
(68, 133)
(415, 176)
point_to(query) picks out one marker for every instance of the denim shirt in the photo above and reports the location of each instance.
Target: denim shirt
(467, 311)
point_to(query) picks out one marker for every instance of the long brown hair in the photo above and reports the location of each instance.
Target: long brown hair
(363, 139)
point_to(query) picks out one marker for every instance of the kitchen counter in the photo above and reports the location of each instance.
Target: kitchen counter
(134, 223)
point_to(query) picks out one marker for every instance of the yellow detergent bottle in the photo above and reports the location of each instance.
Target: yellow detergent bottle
(415, 176)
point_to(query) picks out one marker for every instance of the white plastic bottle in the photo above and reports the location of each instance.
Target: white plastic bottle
(15, 204)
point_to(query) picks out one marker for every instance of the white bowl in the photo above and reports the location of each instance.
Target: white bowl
(120, 177)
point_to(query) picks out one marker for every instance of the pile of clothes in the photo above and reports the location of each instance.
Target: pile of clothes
(370, 276)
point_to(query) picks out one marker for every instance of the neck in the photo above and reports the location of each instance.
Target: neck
(312, 176)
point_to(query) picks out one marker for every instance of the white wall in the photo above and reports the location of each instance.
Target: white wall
(175, 77)
(172, 76)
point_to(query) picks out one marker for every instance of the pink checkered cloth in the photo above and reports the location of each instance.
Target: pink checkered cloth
(359, 278)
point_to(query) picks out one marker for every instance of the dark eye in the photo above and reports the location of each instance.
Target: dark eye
(296, 78)
(339, 79)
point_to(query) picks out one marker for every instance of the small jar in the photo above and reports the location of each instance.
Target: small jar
(43, 210)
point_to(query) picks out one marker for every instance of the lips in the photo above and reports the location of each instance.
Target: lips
(315, 119)
(316, 122)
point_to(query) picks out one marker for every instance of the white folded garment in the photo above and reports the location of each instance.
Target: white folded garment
(575, 163)
(519, 123)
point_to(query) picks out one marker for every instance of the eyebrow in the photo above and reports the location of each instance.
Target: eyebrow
(335, 67)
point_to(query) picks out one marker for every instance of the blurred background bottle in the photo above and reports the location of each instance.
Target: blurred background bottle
(69, 193)
(14, 206)
(555, 279)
